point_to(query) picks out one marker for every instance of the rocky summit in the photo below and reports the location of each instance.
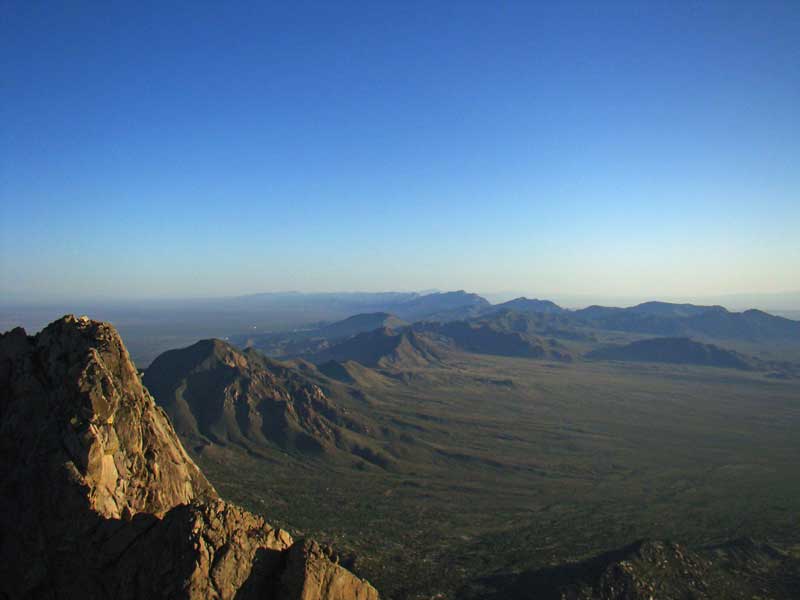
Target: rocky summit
(100, 500)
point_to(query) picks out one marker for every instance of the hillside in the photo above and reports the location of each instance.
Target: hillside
(100, 500)
(216, 394)
(673, 350)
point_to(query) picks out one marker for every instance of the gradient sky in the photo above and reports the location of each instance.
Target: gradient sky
(207, 148)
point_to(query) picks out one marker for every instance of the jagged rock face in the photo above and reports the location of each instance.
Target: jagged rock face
(215, 393)
(100, 500)
(76, 384)
(310, 573)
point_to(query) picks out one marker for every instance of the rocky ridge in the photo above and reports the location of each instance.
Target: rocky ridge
(100, 499)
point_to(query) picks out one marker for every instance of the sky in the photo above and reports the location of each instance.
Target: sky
(175, 149)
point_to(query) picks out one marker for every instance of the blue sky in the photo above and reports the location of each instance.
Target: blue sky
(644, 148)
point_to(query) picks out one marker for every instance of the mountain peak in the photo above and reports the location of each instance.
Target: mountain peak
(100, 495)
(91, 398)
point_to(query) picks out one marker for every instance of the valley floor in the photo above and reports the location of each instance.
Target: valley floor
(505, 465)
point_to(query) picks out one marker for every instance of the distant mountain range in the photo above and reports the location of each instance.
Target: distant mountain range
(282, 324)
(316, 339)
(425, 342)
(531, 328)
(485, 338)
(447, 306)
(662, 318)
(409, 306)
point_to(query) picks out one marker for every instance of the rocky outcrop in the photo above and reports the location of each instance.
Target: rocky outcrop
(73, 402)
(312, 573)
(740, 569)
(99, 498)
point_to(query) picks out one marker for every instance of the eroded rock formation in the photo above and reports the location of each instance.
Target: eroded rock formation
(100, 500)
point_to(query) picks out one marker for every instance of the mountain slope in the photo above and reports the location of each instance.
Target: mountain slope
(215, 393)
(100, 500)
(673, 350)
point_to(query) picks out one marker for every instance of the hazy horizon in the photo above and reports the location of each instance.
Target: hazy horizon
(788, 300)
(623, 151)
